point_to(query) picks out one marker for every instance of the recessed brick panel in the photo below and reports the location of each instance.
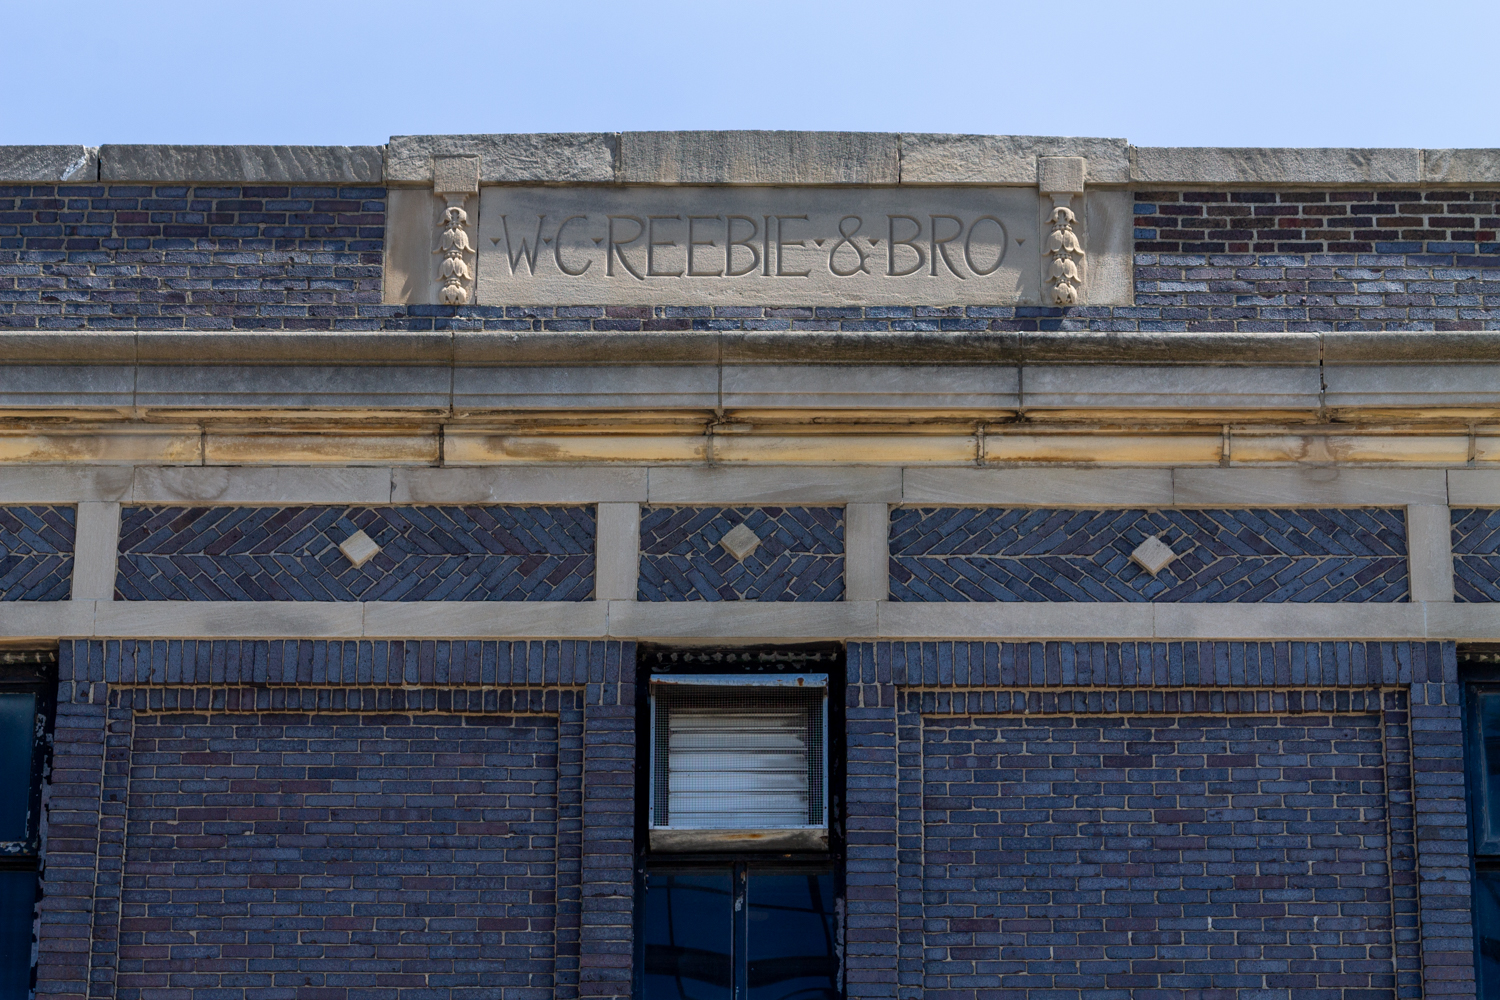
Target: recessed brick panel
(1081, 856)
(1267, 555)
(331, 855)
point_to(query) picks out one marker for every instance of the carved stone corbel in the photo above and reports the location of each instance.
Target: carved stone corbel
(454, 179)
(1061, 178)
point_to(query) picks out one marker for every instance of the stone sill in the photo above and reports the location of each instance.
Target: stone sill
(751, 157)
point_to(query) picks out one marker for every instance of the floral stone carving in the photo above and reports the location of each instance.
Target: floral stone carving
(455, 273)
(1065, 253)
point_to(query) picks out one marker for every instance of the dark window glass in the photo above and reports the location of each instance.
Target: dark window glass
(740, 932)
(1485, 710)
(1487, 920)
(792, 936)
(17, 899)
(17, 734)
(689, 929)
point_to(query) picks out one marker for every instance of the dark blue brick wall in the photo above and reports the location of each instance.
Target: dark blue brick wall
(203, 258)
(1038, 554)
(334, 854)
(1476, 554)
(900, 691)
(127, 257)
(1031, 667)
(478, 842)
(490, 553)
(412, 663)
(1158, 855)
(36, 552)
(800, 557)
(910, 707)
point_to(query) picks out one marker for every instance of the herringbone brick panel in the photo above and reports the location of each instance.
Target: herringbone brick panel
(800, 556)
(36, 553)
(1476, 554)
(1261, 555)
(480, 553)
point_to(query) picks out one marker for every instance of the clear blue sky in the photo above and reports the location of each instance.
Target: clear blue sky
(1157, 72)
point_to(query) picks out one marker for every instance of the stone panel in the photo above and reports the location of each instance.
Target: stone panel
(799, 555)
(1042, 554)
(694, 246)
(489, 553)
(36, 552)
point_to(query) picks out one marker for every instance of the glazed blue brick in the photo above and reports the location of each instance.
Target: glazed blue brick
(1476, 554)
(226, 257)
(469, 853)
(480, 553)
(1039, 554)
(800, 557)
(36, 553)
(1152, 855)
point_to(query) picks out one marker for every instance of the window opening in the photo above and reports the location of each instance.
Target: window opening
(739, 837)
(28, 689)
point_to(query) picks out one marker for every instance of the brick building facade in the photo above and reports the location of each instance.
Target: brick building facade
(1107, 537)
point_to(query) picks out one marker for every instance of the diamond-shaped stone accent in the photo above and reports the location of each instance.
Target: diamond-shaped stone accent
(740, 541)
(359, 548)
(1152, 555)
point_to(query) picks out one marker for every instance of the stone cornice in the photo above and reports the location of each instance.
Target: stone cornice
(460, 348)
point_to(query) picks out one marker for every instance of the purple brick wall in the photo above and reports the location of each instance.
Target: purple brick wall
(1161, 854)
(397, 855)
(1312, 734)
(899, 693)
(172, 257)
(135, 752)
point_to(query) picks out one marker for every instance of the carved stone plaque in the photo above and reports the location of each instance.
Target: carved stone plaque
(672, 245)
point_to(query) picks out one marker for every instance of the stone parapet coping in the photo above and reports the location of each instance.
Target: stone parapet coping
(827, 347)
(752, 157)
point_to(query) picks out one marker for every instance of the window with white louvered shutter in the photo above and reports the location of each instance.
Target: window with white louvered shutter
(739, 762)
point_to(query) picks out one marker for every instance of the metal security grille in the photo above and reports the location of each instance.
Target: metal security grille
(738, 757)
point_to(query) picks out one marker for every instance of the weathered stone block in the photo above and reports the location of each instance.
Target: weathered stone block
(936, 158)
(556, 157)
(241, 164)
(49, 164)
(755, 157)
